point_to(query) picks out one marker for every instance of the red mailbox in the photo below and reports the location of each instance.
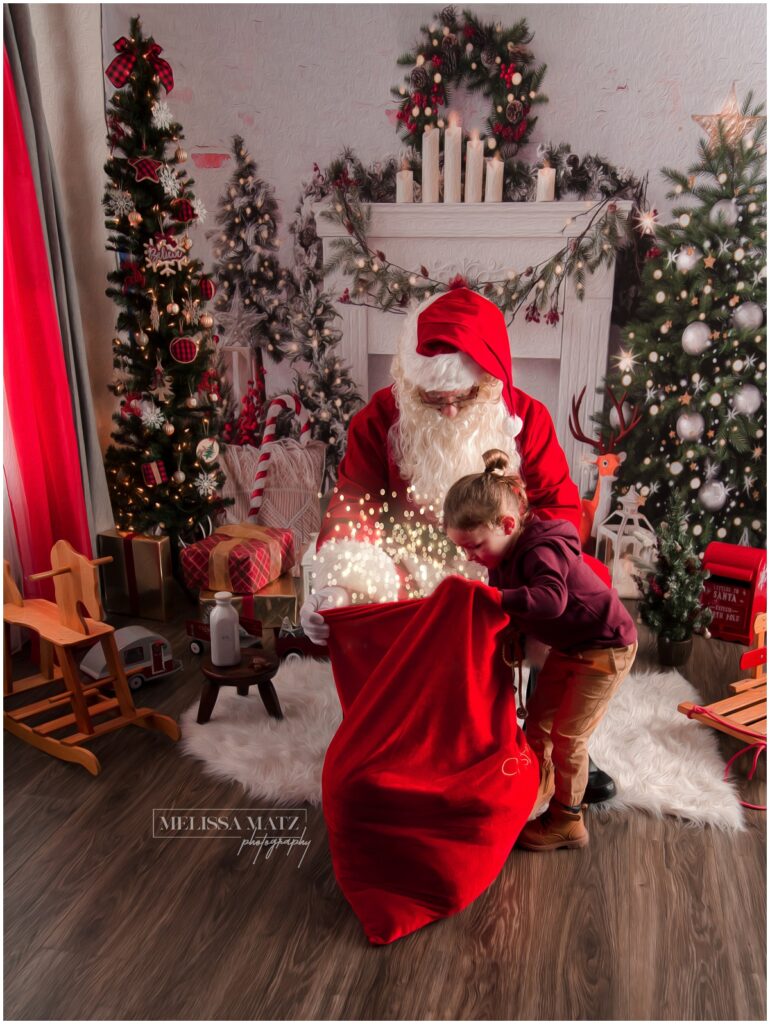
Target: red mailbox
(736, 591)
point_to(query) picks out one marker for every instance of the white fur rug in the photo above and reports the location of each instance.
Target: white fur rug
(661, 762)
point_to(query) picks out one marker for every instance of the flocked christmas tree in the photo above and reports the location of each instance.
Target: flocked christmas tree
(251, 308)
(162, 468)
(694, 358)
(671, 593)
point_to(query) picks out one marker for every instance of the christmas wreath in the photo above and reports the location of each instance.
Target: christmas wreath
(486, 58)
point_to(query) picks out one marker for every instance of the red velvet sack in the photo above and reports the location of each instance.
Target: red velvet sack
(429, 779)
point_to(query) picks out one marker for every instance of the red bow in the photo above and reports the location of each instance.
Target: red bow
(121, 67)
(134, 275)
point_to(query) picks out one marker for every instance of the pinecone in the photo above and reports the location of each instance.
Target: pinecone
(523, 53)
(419, 80)
(450, 54)
(489, 56)
(514, 111)
(448, 17)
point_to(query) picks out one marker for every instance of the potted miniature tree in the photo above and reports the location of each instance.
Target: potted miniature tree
(671, 593)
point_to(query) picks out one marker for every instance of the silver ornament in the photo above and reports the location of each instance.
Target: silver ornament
(687, 258)
(206, 320)
(696, 338)
(690, 426)
(142, 340)
(191, 402)
(168, 428)
(748, 316)
(747, 399)
(713, 495)
(178, 477)
(725, 211)
(615, 419)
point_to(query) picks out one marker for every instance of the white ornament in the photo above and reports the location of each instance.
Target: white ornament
(675, 468)
(696, 338)
(200, 210)
(161, 116)
(207, 450)
(715, 399)
(687, 258)
(152, 417)
(206, 484)
(120, 203)
(615, 419)
(169, 181)
(713, 495)
(660, 296)
(724, 212)
(178, 477)
(747, 399)
(684, 220)
(748, 316)
(690, 426)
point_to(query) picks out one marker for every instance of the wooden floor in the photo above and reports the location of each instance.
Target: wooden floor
(654, 920)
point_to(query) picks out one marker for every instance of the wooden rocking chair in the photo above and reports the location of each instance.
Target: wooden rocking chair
(65, 628)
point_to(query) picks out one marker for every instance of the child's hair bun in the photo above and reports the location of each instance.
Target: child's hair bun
(495, 462)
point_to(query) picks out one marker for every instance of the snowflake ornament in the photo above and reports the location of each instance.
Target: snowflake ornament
(120, 203)
(191, 311)
(200, 210)
(152, 417)
(161, 116)
(206, 484)
(169, 181)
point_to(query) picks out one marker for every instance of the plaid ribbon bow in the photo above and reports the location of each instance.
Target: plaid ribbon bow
(134, 275)
(121, 67)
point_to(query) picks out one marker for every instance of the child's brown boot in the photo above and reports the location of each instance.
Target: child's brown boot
(557, 829)
(545, 792)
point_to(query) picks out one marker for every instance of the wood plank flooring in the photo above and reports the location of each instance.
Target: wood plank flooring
(654, 920)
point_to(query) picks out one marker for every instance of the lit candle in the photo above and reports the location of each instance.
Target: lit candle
(405, 184)
(474, 169)
(546, 183)
(493, 192)
(430, 164)
(453, 158)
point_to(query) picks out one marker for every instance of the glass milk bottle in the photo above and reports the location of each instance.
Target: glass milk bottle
(225, 634)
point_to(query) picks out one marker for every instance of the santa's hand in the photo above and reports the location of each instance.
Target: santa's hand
(312, 622)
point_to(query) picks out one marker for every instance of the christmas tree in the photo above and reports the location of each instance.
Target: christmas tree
(693, 359)
(251, 309)
(671, 595)
(162, 467)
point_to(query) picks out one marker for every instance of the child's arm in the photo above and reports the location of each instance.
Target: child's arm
(545, 594)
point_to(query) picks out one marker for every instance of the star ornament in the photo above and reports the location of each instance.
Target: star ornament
(145, 169)
(709, 262)
(734, 124)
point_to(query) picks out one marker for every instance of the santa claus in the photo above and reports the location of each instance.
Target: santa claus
(452, 398)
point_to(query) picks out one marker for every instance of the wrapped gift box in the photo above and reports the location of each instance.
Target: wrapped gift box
(242, 559)
(270, 606)
(138, 580)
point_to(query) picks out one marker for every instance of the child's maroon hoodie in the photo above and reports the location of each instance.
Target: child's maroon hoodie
(551, 594)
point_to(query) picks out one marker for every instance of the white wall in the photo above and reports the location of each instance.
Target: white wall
(300, 81)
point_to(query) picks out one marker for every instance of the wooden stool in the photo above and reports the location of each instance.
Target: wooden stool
(65, 629)
(253, 668)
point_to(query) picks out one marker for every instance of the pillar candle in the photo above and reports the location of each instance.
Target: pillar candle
(453, 157)
(474, 169)
(405, 184)
(430, 165)
(494, 184)
(546, 183)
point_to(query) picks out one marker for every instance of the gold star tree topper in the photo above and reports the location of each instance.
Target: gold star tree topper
(734, 124)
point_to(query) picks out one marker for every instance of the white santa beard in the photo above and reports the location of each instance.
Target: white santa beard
(433, 451)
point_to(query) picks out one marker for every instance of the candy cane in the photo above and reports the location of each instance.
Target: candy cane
(287, 401)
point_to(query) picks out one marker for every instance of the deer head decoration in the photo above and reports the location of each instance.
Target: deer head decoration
(596, 508)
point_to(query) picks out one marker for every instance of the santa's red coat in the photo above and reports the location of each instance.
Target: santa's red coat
(368, 471)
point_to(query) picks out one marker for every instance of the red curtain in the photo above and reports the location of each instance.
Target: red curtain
(42, 461)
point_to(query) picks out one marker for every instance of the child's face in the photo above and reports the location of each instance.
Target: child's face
(487, 545)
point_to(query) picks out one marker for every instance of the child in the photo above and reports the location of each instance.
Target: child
(552, 595)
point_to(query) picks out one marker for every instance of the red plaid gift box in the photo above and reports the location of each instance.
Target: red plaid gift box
(242, 558)
(154, 473)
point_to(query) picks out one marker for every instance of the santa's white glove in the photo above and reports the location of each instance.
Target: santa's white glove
(312, 622)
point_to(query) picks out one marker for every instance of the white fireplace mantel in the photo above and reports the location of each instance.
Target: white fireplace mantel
(551, 363)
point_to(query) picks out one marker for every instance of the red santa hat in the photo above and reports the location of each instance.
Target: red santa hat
(459, 337)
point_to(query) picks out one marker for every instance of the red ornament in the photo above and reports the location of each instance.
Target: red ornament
(208, 288)
(184, 210)
(145, 169)
(184, 350)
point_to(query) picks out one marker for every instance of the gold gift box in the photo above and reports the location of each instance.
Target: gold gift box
(151, 571)
(270, 605)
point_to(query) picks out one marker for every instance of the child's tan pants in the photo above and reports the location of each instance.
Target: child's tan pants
(570, 699)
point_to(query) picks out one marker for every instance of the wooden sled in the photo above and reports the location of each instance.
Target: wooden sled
(66, 627)
(744, 715)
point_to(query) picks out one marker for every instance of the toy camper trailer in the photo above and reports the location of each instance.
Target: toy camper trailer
(145, 655)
